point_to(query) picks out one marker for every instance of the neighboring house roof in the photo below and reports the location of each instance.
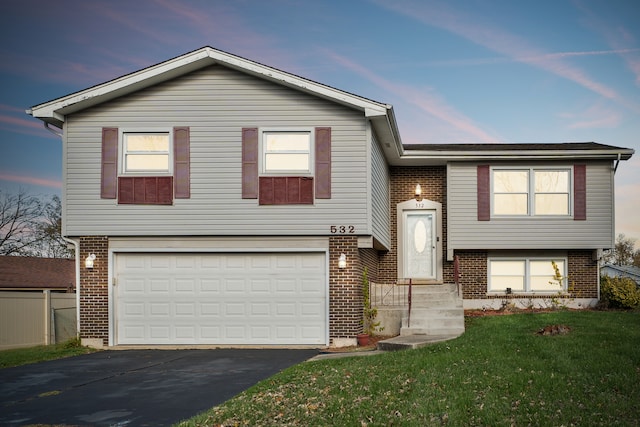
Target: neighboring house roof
(32, 273)
(622, 271)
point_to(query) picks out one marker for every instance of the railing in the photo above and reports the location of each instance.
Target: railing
(389, 294)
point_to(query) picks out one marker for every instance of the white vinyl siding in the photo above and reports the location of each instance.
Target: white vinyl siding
(380, 182)
(216, 103)
(529, 232)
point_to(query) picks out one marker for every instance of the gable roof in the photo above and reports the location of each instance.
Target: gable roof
(32, 273)
(53, 112)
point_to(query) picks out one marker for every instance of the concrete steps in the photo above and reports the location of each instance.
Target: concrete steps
(436, 311)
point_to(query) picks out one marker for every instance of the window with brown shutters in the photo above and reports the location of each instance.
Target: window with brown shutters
(277, 166)
(146, 176)
(531, 192)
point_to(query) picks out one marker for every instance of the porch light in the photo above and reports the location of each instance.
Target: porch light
(418, 191)
(342, 261)
(88, 262)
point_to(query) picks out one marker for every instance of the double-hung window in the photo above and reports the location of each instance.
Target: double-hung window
(527, 275)
(531, 192)
(146, 153)
(286, 152)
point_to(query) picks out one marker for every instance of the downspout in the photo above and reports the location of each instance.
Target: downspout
(76, 244)
(615, 168)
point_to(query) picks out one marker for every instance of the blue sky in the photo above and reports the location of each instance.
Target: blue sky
(455, 71)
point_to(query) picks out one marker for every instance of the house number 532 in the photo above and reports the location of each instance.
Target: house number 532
(343, 229)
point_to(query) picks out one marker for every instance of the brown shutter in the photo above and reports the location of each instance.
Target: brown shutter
(286, 190)
(323, 162)
(484, 193)
(579, 192)
(250, 163)
(149, 190)
(181, 162)
(109, 172)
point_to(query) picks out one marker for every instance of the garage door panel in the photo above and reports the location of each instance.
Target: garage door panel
(270, 298)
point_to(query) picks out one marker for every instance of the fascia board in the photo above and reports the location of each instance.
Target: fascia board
(518, 155)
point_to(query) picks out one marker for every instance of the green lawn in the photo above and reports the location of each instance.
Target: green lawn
(24, 356)
(499, 373)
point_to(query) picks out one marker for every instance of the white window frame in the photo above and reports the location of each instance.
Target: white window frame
(527, 273)
(143, 131)
(531, 193)
(263, 132)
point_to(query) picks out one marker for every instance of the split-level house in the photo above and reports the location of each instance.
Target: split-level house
(216, 200)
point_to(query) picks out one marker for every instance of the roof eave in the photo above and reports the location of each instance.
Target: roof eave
(442, 157)
(54, 111)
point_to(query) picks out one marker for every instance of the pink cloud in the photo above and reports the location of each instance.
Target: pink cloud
(595, 116)
(427, 100)
(618, 37)
(514, 47)
(31, 180)
(26, 126)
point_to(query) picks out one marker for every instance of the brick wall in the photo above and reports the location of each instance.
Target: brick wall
(345, 288)
(583, 274)
(94, 304)
(473, 274)
(433, 181)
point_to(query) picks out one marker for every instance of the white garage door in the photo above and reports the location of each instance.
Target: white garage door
(258, 298)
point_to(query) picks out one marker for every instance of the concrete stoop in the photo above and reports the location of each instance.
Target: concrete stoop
(408, 342)
(436, 315)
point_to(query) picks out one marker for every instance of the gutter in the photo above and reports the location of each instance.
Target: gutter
(76, 245)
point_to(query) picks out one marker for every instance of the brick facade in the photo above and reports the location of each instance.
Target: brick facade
(433, 181)
(94, 294)
(583, 274)
(345, 288)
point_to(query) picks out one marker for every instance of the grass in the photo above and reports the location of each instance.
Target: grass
(24, 356)
(499, 373)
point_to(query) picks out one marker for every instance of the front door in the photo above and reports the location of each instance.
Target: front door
(420, 239)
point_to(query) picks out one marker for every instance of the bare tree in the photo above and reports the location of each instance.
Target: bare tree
(31, 227)
(50, 243)
(623, 253)
(19, 214)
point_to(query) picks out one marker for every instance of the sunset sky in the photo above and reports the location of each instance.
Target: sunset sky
(472, 71)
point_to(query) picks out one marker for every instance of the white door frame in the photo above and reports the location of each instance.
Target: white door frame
(415, 206)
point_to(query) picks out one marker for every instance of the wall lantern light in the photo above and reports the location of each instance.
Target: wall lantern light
(342, 261)
(418, 192)
(88, 262)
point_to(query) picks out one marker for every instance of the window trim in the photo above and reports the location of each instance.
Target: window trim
(527, 273)
(531, 193)
(122, 152)
(290, 172)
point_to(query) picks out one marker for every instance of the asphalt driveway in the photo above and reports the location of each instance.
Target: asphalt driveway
(134, 387)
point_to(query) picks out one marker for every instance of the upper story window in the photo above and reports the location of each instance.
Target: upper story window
(146, 153)
(534, 191)
(286, 152)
